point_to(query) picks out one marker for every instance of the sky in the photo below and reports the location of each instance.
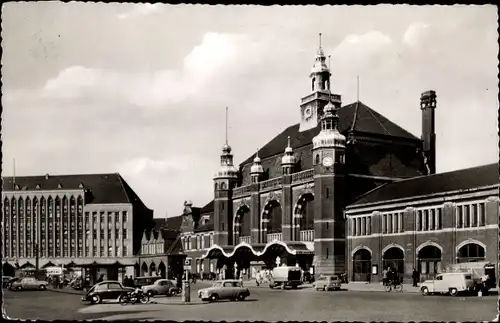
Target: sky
(141, 89)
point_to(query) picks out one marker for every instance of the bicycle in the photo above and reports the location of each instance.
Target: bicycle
(390, 286)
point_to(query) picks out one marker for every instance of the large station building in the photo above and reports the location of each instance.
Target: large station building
(344, 190)
(92, 221)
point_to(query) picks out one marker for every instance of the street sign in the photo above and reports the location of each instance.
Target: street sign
(187, 264)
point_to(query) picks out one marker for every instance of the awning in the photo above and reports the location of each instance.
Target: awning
(292, 247)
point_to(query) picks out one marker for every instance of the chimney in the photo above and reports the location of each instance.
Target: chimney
(428, 107)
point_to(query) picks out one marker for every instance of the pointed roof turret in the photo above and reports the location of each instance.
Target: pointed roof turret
(320, 60)
(288, 158)
(257, 165)
(226, 169)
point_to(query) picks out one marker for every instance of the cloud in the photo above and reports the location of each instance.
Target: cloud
(140, 9)
(415, 34)
(216, 57)
(355, 51)
(142, 165)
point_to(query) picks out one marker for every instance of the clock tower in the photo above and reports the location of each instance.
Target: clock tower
(329, 224)
(311, 106)
(225, 179)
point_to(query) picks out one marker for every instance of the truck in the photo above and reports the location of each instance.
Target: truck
(286, 276)
(477, 269)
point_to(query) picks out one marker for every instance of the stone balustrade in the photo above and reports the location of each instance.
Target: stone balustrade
(275, 236)
(246, 239)
(307, 235)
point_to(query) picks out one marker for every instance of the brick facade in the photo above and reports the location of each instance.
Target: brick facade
(439, 222)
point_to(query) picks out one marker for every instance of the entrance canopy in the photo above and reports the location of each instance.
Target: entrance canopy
(258, 250)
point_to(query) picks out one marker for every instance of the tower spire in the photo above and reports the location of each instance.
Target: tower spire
(226, 122)
(357, 89)
(329, 87)
(319, 40)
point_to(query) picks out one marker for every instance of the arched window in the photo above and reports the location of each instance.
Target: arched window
(317, 159)
(222, 186)
(312, 84)
(216, 186)
(471, 252)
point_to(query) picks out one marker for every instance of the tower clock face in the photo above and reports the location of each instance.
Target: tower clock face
(327, 161)
(308, 113)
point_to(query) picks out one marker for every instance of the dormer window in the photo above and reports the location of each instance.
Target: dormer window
(37, 186)
(81, 185)
(59, 185)
(16, 187)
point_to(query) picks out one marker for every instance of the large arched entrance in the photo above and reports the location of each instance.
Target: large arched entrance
(242, 258)
(304, 218)
(394, 257)
(361, 265)
(271, 219)
(277, 255)
(429, 261)
(242, 225)
(471, 252)
(8, 270)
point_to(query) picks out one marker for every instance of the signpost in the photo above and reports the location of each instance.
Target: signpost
(186, 290)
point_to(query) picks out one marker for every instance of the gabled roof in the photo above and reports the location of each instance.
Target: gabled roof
(355, 116)
(174, 222)
(208, 208)
(463, 179)
(104, 188)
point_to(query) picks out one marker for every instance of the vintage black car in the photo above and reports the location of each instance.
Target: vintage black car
(106, 290)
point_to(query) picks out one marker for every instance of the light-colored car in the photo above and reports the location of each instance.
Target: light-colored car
(452, 283)
(29, 283)
(231, 289)
(161, 287)
(327, 283)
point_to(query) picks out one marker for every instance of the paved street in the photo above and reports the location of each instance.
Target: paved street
(263, 304)
(46, 305)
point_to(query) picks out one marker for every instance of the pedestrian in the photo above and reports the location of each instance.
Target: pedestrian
(484, 281)
(385, 273)
(416, 277)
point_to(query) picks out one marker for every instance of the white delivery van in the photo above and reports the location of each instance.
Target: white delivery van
(286, 276)
(452, 283)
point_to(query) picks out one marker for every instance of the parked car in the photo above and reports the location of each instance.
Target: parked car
(231, 289)
(145, 281)
(327, 283)
(5, 281)
(9, 283)
(161, 287)
(286, 276)
(106, 290)
(452, 283)
(28, 283)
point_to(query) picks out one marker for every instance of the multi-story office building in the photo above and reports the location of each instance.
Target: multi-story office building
(91, 221)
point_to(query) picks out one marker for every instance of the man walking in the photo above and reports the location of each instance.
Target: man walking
(384, 276)
(416, 277)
